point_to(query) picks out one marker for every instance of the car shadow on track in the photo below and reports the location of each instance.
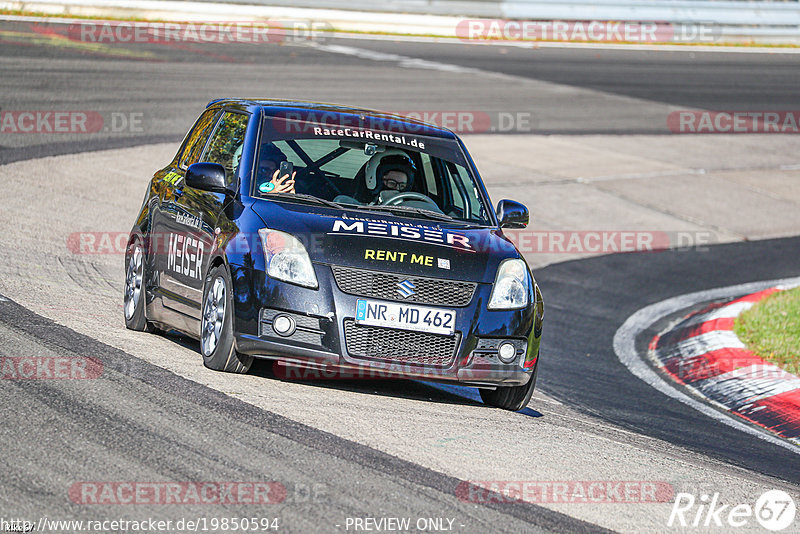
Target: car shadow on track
(387, 387)
(399, 387)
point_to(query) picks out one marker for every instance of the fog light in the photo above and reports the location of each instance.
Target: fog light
(283, 325)
(507, 352)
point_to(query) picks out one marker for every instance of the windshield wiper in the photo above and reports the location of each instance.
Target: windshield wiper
(402, 210)
(399, 210)
(310, 198)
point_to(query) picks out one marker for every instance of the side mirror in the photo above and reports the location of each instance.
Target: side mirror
(512, 214)
(207, 177)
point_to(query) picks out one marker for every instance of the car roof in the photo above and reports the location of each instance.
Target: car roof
(302, 109)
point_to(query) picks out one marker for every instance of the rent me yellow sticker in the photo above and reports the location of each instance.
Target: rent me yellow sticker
(397, 257)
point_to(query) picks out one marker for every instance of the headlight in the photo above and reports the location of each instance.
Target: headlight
(511, 286)
(286, 258)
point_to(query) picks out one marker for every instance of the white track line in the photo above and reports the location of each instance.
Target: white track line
(412, 62)
(625, 348)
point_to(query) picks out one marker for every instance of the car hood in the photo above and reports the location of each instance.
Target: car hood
(382, 241)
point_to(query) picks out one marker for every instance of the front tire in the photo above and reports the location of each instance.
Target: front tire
(134, 297)
(512, 398)
(216, 326)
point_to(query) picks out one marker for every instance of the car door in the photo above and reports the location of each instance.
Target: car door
(166, 224)
(191, 228)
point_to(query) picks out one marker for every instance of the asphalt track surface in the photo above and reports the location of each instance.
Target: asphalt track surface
(603, 292)
(146, 420)
(597, 91)
(144, 423)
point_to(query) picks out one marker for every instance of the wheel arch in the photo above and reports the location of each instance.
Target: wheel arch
(217, 260)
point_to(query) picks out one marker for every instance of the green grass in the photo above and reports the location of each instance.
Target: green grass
(771, 329)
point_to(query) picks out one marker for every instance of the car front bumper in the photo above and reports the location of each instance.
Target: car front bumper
(325, 337)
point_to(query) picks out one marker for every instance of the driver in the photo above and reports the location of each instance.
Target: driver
(269, 161)
(396, 173)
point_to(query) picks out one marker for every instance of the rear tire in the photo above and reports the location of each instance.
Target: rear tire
(216, 326)
(512, 398)
(134, 296)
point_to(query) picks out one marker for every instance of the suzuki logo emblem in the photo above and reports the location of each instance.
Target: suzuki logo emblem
(405, 289)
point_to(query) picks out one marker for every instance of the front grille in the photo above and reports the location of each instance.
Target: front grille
(384, 286)
(403, 346)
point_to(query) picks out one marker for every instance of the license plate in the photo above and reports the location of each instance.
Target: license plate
(405, 317)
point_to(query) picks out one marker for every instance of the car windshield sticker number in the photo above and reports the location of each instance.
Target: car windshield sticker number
(405, 317)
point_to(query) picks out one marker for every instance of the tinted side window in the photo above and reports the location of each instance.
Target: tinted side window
(463, 192)
(430, 177)
(196, 140)
(225, 146)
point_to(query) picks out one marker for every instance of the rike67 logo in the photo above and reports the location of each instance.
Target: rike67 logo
(774, 510)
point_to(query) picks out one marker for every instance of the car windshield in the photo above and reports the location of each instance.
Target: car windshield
(410, 174)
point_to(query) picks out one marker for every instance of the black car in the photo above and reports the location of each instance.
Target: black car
(322, 236)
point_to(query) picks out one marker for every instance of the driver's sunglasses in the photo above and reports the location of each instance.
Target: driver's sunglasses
(394, 183)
